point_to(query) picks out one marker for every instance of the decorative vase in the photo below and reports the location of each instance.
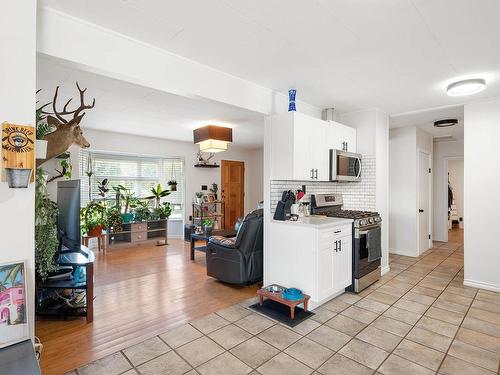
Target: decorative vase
(291, 100)
(41, 148)
(18, 177)
(96, 231)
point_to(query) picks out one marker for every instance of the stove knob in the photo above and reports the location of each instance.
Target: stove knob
(362, 222)
(370, 220)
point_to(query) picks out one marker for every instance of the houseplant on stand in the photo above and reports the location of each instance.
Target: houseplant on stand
(93, 217)
(142, 211)
(158, 193)
(208, 226)
(163, 212)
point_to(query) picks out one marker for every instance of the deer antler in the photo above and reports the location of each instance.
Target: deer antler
(65, 111)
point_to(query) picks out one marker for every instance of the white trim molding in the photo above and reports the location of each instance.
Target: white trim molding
(385, 269)
(482, 285)
(406, 253)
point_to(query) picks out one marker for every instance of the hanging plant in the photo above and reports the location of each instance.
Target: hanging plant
(46, 241)
(173, 185)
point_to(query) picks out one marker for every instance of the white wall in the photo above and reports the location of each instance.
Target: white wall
(404, 144)
(194, 177)
(482, 182)
(373, 139)
(456, 171)
(442, 152)
(17, 98)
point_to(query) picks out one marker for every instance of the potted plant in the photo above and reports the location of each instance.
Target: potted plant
(208, 225)
(103, 189)
(163, 212)
(158, 193)
(46, 241)
(214, 189)
(142, 212)
(18, 177)
(172, 185)
(42, 129)
(93, 217)
(198, 197)
(126, 196)
(114, 220)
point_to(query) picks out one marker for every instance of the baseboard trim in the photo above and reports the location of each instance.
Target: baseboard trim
(482, 285)
(402, 252)
(384, 270)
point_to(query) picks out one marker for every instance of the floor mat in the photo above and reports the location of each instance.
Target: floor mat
(281, 313)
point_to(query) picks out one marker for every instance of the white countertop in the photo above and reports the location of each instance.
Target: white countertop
(317, 221)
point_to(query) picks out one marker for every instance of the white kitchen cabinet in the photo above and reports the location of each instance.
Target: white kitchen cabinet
(341, 137)
(310, 257)
(299, 148)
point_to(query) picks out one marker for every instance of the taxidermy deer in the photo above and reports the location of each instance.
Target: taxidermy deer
(67, 131)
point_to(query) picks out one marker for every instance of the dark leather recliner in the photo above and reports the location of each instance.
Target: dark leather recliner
(238, 260)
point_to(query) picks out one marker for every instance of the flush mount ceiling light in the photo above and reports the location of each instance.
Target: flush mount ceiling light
(445, 123)
(213, 138)
(466, 87)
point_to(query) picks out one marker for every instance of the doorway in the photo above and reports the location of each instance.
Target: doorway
(233, 191)
(424, 202)
(455, 201)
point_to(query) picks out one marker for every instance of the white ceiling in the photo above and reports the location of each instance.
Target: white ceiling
(425, 120)
(396, 55)
(126, 108)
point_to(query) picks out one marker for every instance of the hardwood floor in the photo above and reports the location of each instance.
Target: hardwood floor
(139, 292)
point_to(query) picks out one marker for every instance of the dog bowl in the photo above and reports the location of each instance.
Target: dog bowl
(274, 289)
(293, 294)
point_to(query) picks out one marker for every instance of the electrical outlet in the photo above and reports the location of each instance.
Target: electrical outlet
(204, 187)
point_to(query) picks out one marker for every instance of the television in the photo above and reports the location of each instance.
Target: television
(68, 220)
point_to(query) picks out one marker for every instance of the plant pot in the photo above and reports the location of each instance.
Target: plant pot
(96, 231)
(18, 177)
(208, 229)
(173, 187)
(41, 148)
(127, 218)
(198, 200)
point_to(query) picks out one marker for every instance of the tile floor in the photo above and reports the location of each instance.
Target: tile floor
(418, 319)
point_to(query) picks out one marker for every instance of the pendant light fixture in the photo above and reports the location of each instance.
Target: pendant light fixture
(212, 138)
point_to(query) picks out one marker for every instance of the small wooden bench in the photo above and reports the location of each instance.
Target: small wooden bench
(263, 293)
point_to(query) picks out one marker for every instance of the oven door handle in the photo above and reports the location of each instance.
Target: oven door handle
(363, 232)
(359, 171)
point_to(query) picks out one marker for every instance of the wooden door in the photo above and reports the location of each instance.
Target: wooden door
(233, 191)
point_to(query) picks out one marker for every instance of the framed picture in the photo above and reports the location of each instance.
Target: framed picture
(13, 314)
(211, 197)
(205, 198)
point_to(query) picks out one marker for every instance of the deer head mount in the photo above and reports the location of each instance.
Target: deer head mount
(66, 125)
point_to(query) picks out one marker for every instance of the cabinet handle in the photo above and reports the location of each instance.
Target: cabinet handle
(337, 231)
(312, 174)
(316, 176)
(346, 146)
(340, 245)
(336, 246)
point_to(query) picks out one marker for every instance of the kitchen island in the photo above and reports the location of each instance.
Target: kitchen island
(313, 254)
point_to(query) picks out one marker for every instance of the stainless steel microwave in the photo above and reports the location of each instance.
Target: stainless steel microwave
(345, 166)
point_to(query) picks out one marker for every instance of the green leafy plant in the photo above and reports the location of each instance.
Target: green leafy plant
(42, 126)
(207, 222)
(157, 194)
(46, 241)
(199, 194)
(67, 168)
(142, 212)
(93, 216)
(124, 196)
(162, 212)
(103, 189)
(114, 219)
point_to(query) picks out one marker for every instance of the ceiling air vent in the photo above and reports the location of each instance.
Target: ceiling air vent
(443, 138)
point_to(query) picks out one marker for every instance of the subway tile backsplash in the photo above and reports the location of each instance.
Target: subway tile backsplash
(357, 195)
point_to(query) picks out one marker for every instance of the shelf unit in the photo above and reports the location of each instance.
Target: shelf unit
(208, 210)
(139, 232)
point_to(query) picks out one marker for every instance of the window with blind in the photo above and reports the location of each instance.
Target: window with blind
(136, 173)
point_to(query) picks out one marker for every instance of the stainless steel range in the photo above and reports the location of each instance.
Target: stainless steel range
(366, 248)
